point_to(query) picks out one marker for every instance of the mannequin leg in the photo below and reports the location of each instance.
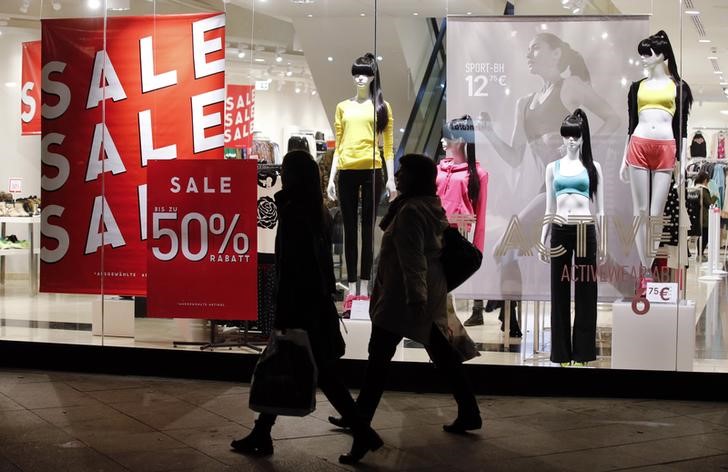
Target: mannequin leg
(349, 203)
(561, 269)
(639, 180)
(661, 181)
(364, 287)
(585, 302)
(371, 190)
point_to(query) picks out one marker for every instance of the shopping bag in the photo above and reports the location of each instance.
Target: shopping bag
(284, 380)
(460, 258)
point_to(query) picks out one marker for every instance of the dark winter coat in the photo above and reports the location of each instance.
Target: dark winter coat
(306, 282)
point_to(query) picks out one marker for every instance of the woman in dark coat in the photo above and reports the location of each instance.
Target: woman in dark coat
(410, 294)
(304, 300)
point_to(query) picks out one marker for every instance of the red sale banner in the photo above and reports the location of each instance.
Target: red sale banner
(202, 250)
(156, 92)
(30, 94)
(239, 112)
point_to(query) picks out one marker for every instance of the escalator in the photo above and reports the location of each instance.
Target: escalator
(422, 133)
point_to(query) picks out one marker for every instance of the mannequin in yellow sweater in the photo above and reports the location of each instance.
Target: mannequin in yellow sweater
(360, 121)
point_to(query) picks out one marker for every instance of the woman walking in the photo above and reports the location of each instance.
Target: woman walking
(410, 295)
(304, 300)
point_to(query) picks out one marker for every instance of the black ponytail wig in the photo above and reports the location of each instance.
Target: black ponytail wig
(660, 44)
(367, 65)
(576, 126)
(463, 129)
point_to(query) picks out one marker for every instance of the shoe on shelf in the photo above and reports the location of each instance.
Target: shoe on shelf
(339, 422)
(254, 444)
(476, 319)
(463, 425)
(365, 440)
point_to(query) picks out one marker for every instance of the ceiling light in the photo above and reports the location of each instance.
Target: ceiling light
(576, 11)
(469, 13)
(718, 72)
(724, 112)
(310, 15)
(723, 83)
(379, 58)
(298, 90)
(241, 54)
(93, 4)
(605, 35)
(692, 12)
(415, 14)
(330, 59)
(24, 7)
(711, 58)
(11, 84)
(279, 59)
(704, 40)
(289, 73)
(401, 130)
(258, 59)
(56, 5)
(544, 26)
(313, 92)
(362, 14)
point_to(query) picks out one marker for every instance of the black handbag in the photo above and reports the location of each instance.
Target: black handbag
(460, 258)
(284, 381)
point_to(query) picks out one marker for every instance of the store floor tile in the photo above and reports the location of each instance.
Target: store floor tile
(51, 421)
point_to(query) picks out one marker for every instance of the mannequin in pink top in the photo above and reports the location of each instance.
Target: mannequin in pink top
(462, 186)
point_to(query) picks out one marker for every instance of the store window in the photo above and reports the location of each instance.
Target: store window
(140, 204)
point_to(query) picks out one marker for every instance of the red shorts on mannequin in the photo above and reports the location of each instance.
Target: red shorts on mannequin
(651, 154)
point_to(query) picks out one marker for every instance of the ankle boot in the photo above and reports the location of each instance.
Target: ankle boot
(257, 443)
(515, 329)
(476, 319)
(365, 440)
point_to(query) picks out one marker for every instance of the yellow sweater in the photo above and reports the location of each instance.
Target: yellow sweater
(355, 135)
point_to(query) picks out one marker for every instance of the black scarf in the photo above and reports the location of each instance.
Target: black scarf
(394, 207)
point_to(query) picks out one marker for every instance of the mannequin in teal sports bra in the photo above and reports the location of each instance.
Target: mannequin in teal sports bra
(572, 182)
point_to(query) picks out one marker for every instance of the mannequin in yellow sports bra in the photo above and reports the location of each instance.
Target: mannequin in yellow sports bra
(658, 123)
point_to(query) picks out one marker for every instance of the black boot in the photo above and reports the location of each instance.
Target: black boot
(365, 440)
(493, 305)
(515, 329)
(476, 319)
(462, 425)
(257, 443)
(339, 422)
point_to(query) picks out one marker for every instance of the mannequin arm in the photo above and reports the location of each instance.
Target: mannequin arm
(390, 185)
(599, 200)
(550, 209)
(331, 187)
(683, 161)
(623, 172)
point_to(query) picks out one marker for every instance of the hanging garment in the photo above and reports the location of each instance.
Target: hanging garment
(719, 145)
(719, 179)
(269, 182)
(698, 147)
(452, 188)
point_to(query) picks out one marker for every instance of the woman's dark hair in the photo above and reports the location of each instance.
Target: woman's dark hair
(463, 128)
(367, 65)
(702, 177)
(569, 57)
(298, 143)
(660, 44)
(302, 186)
(422, 173)
(576, 125)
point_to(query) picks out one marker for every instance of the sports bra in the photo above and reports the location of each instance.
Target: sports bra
(540, 120)
(661, 98)
(568, 184)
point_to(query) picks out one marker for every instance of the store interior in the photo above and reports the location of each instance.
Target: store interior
(298, 54)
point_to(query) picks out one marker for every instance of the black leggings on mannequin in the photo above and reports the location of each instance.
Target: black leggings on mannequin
(583, 269)
(351, 183)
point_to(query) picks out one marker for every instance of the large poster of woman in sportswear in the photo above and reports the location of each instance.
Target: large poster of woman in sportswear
(519, 78)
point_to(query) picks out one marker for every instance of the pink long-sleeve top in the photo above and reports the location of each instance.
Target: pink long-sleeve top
(452, 187)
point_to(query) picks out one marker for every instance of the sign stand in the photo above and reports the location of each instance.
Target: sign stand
(213, 339)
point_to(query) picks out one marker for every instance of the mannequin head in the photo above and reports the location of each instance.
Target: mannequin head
(549, 56)
(416, 176)
(365, 72)
(575, 131)
(458, 136)
(657, 47)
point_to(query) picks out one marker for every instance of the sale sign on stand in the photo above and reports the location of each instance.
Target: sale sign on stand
(239, 114)
(30, 92)
(202, 248)
(117, 94)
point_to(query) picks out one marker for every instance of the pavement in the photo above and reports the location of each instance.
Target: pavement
(58, 421)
